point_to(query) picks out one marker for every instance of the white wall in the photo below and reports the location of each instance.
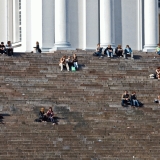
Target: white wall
(130, 23)
(38, 23)
(3, 21)
(48, 23)
(73, 26)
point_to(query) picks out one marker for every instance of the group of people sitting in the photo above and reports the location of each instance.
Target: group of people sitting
(71, 63)
(6, 49)
(47, 117)
(119, 52)
(130, 100)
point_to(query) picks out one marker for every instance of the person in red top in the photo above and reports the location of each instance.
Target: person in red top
(50, 115)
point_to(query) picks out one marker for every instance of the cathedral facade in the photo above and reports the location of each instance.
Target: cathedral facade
(72, 24)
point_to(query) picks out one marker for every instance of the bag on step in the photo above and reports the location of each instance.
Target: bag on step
(73, 69)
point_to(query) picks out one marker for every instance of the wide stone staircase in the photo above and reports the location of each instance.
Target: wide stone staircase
(92, 123)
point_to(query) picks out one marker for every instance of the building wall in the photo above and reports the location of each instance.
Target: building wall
(83, 23)
(48, 19)
(3, 21)
(129, 23)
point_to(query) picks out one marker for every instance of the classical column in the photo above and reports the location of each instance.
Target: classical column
(61, 39)
(106, 27)
(150, 25)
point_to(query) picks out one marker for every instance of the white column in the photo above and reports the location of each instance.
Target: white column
(150, 25)
(61, 39)
(3, 21)
(139, 37)
(106, 27)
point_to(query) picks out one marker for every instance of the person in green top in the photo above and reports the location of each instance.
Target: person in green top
(158, 49)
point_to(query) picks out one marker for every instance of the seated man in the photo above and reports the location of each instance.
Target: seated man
(9, 48)
(158, 49)
(109, 51)
(98, 51)
(128, 51)
(134, 101)
(2, 48)
(125, 99)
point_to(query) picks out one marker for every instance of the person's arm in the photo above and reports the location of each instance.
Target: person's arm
(122, 96)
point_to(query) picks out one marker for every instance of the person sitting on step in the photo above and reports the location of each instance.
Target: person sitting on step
(2, 48)
(109, 51)
(125, 99)
(50, 115)
(63, 63)
(42, 115)
(134, 101)
(157, 100)
(158, 49)
(98, 51)
(37, 48)
(9, 49)
(69, 61)
(119, 51)
(128, 51)
(75, 61)
(158, 72)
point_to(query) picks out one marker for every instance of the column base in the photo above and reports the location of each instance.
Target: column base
(62, 46)
(149, 48)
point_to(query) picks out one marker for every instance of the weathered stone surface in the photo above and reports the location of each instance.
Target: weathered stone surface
(92, 123)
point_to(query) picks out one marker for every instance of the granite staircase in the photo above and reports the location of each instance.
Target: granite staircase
(92, 125)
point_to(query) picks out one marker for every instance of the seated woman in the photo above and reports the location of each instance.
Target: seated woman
(109, 51)
(158, 72)
(37, 48)
(125, 99)
(157, 100)
(98, 51)
(9, 48)
(119, 51)
(63, 63)
(50, 115)
(134, 101)
(75, 61)
(128, 50)
(2, 48)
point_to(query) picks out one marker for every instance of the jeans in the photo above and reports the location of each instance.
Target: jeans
(110, 54)
(125, 54)
(98, 54)
(75, 64)
(124, 102)
(158, 52)
(134, 102)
